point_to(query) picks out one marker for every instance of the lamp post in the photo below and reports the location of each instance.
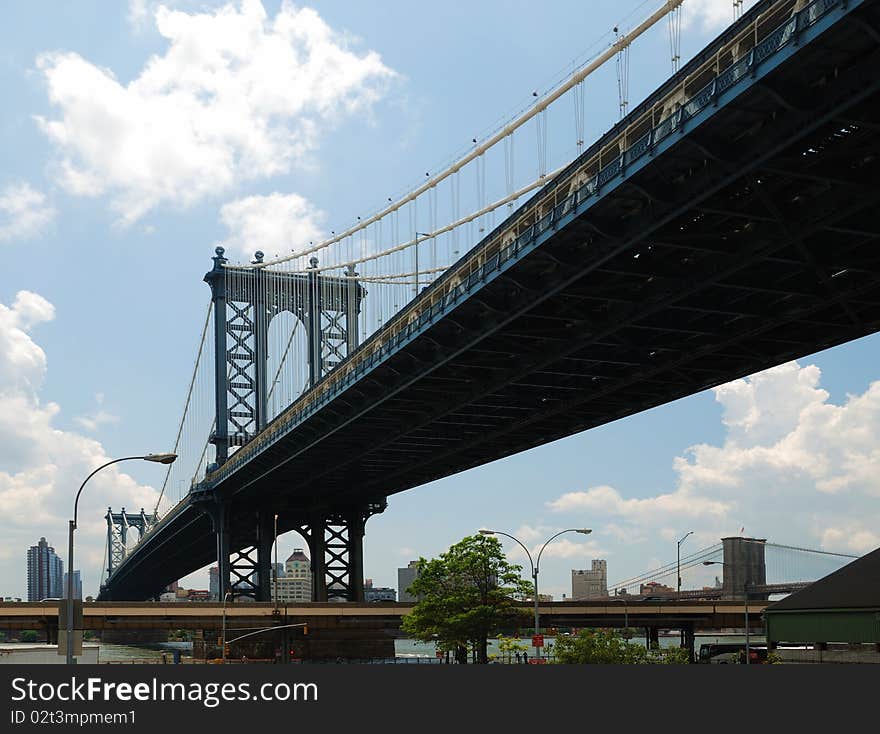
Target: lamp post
(223, 638)
(746, 585)
(275, 567)
(678, 564)
(536, 563)
(155, 458)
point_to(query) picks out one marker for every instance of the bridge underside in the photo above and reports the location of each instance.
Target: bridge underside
(752, 241)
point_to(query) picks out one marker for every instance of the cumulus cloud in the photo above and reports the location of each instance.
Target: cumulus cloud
(42, 465)
(794, 467)
(607, 501)
(710, 15)
(273, 224)
(22, 362)
(24, 212)
(236, 96)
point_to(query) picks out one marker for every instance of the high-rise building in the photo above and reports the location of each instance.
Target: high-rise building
(296, 583)
(592, 584)
(214, 583)
(405, 577)
(45, 572)
(77, 586)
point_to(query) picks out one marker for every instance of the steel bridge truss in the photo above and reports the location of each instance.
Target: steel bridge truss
(118, 524)
(244, 306)
(740, 235)
(245, 540)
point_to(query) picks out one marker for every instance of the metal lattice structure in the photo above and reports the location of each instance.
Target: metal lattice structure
(118, 526)
(727, 224)
(246, 300)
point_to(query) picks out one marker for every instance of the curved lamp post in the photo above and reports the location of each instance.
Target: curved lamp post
(535, 564)
(226, 596)
(156, 458)
(678, 564)
(746, 586)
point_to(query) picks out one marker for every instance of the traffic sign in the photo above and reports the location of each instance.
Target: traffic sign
(537, 640)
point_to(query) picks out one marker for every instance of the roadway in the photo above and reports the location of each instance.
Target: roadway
(705, 615)
(735, 242)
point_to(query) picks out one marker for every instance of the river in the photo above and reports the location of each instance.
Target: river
(405, 650)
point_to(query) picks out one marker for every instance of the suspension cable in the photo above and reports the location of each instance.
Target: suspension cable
(539, 106)
(189, 393)
(811, 550)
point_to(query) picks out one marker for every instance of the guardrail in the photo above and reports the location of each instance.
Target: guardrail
(581, 181)
(584, 179)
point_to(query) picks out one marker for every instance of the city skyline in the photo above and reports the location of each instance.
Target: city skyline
(101, 297)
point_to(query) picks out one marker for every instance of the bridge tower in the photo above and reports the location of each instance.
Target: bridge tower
(245, 300)
(118, 524)
(744, 566)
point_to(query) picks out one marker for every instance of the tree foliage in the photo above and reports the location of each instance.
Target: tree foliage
(508, 646)
(466, 596)
(607, 647)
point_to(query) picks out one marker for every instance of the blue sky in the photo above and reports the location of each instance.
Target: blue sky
(125, 157)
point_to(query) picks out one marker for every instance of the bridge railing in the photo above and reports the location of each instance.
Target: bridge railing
(754, 39)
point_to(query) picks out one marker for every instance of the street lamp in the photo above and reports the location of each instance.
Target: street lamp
(275, 567)
(223, 638)
(746, 586)
(536, 563)
(678, 565)
(155, 458)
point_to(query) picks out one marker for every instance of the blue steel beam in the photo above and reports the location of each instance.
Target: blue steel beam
(418, 408)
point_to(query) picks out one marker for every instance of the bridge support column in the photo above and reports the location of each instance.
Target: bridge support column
(688, 640)
(216, 278)
(336, 544)
(265, 541)
(219, 513)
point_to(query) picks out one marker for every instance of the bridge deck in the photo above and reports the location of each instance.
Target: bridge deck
(208, 616)
(741, 234)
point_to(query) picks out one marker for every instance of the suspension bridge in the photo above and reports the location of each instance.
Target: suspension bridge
(749, 568)
(723, 225)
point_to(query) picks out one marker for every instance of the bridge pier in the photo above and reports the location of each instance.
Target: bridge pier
(265, 541)
(336, 545)
(218, 511)
(687, 642)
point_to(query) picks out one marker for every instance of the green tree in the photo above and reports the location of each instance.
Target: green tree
(507, 646)
(28, 636)
(669, 656)
(598, 646)
(466, 596)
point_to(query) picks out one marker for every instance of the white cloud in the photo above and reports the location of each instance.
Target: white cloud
(794, 467)
(98, 417)
(94, 421)
(608, 501)
(273, 224)
(24, 212)
(42, 465)
(22, 362)
(236, 96)
(710, 15)
(851, 538)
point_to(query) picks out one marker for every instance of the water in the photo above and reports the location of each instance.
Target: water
(143, 654)
(426, 651)
(405, 649)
